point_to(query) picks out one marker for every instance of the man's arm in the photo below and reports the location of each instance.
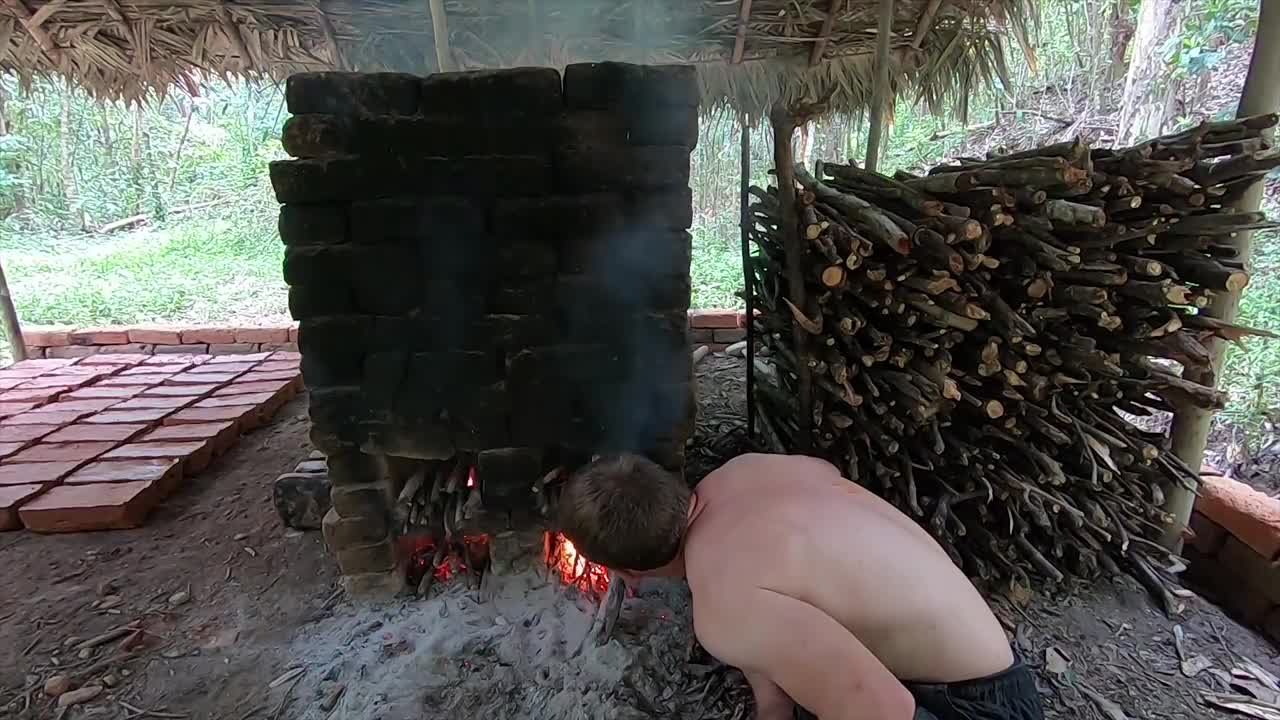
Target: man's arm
(813, 658)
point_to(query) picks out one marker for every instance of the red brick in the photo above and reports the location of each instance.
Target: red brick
(85, 405)
(24, 433)
(30, 418)
(7, 383)
(701, 337)
(713, 319)
(156, 335)
(278, 347)
(133, 380)
(47, 335)
(262, 335)
(729, 336)
(75, 452)
(105, 392)
(34, 473)
(99, 336)
(208, 335)
(189, 357)
(245, 417)
(191, 391)
(114, 359)
(251, 388)
(216, 368)
(257, 376)
(100, 506)
(293, 333)
(88, 432)
(181, 350)
(188, 378)
(1207, 536)
(156, 369)
(11, 498)
(89, 372)
(35, 352)
(232, 400)
(9, 448)
(233, 359)
(116, 417)
(166, 471)
(145, 402)
(284, 355)
(220, 435)
(279, 366)
(73, 352)
(131, 349)
(234, 349)
(194, 454)
(9, 409)
(37, 366)
(1247, 514)
(55, 382)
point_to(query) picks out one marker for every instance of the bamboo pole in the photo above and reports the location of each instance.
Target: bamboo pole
(740, 38)
(824, 35)
(1190, 430)
(744, 201)
(880, 93)
(440, 35)
(9, 320)
(784, 130)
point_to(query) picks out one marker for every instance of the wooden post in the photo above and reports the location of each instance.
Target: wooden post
(740, 39)
(1190, 429)
(784, 130)
(820, 46)
(744, 206)
(440, 35)
(9, 320)
(880, 93)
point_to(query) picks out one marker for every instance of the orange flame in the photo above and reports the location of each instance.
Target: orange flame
(575, 569)
(471, 477)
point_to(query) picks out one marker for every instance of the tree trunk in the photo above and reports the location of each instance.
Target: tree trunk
(1121, 35)
(784, 129)
(135, 158)
(13, 168)
(880, 95)
(68, 161)
(9, 320)
(1190, 429)
(1141, 111)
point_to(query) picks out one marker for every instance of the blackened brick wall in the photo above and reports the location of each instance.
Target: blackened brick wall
(492, 259)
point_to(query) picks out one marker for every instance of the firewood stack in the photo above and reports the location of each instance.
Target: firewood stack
(980, 339)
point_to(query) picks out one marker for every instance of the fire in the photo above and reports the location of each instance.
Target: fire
(575, 569)
(471, 477)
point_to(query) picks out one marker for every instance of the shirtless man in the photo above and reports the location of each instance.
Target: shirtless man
(824, 595)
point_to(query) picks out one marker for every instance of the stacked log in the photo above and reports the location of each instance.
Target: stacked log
(985, 340)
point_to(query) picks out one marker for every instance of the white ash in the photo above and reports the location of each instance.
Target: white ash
(517, 648)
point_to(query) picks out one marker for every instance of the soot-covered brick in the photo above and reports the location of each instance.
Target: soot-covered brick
(480, 92)
(615, 85)
(345, 93)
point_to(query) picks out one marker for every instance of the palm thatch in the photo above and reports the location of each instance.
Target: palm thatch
(800, 51)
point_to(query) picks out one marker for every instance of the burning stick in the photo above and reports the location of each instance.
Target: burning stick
(608, 611)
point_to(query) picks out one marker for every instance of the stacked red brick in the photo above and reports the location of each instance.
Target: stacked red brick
(61, 341)
(717, 329)
(96, 443)
(488, 260)
(1234, 554)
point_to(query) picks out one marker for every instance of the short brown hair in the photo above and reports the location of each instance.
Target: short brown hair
(625, 512)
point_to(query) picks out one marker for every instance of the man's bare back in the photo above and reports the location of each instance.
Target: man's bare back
(798, 573)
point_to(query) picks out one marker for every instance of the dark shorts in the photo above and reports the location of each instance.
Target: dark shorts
(1007, 695)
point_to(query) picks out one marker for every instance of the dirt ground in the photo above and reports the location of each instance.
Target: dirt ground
(258, 595)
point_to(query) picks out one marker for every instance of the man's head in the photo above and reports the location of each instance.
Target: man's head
(626, 513)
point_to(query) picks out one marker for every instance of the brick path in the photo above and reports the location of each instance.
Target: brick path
(95, 443)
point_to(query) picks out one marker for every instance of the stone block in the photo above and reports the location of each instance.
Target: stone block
(399, 220)
(344, 532)
(371, 500)
(326, 180)
(98, 506)
(638, 128)
(615, 85)
(506, 476)
(627, 168)
(348, 93)
(301, 499)
(387, 280)
(668, 208)
(528, 90)
(313, 224)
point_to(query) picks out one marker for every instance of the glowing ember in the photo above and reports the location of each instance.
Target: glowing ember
(574, 569)
(471, 477)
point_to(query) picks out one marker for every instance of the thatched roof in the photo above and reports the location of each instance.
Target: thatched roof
(126, 48)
